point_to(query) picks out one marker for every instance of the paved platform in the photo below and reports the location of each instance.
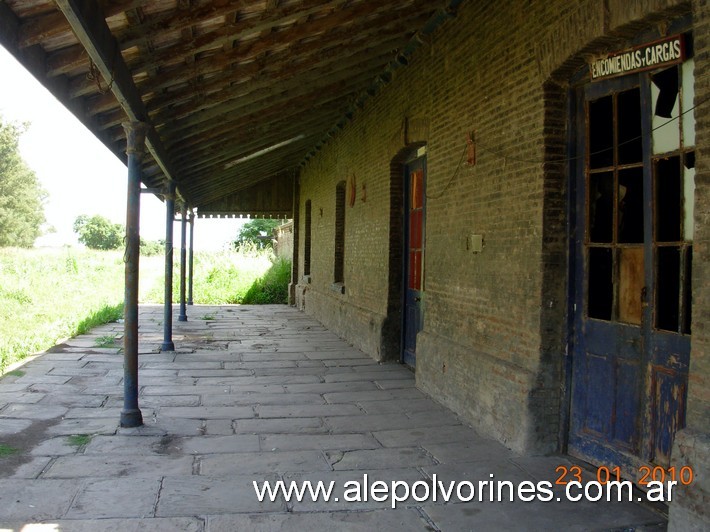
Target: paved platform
(252, 393)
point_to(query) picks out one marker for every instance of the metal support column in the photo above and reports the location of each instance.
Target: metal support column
(168, 344)
(183, 261)
(135, 144)
(190, 269)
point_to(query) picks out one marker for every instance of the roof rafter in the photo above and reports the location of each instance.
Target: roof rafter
(89, 26)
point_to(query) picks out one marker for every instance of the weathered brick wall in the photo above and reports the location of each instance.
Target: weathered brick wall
(283, 235)
(495, 325)
(692, 445)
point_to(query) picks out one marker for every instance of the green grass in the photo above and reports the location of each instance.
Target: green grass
(226, 277)
(79, 440)
(272, 287)
(47, 295)
(105, 341)
(6, 450)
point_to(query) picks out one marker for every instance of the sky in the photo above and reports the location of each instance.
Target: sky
(80, 174)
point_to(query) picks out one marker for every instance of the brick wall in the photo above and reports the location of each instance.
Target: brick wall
(495, 323)
(692, 445)
(283, 234)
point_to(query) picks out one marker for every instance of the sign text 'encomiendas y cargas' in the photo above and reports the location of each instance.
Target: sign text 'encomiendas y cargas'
(665, 52)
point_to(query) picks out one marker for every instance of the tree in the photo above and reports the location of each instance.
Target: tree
(258, 232)
(96, 232)
(21, 195)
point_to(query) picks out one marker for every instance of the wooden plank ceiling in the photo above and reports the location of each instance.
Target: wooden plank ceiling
(236, 92)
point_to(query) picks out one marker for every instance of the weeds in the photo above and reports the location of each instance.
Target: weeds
(106, 314)
(79, 440)
(272, 287)
(6, 450)
(58, 293)
(226, 277)
(105, 341)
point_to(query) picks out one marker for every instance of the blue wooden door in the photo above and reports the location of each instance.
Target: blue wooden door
(632, 240)
(415, 183)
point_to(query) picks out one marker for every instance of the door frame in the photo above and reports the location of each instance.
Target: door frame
(652, 336)
(414, 155)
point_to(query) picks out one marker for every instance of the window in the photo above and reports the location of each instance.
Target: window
(307, 241)
(619, 223)
(339, 256)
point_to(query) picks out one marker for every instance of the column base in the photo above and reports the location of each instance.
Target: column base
(182, 318)
(167, 346)
(131, 418)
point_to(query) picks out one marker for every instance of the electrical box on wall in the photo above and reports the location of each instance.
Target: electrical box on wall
(474, 243)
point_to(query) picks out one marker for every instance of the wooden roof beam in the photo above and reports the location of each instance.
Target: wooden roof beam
(176, 20)
(240, 177)
(43, 27)
(191, 120)
(278, 65)
(34, 60)
(89, 25)
(71, 58)
(262, 122)
(219, 37)
(245, 144)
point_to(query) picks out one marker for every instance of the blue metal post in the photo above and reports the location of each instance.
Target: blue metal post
(183, 261)
(135, 143)
(168, 344)
(191, 257)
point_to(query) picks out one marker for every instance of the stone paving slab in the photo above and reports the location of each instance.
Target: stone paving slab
(292, 442)
(219, 444)
(107, 466)
(33, 468)
(366, 521)
(37, 499)
(208, 412)
(379, 458)
(537, 515)
(155, 401)
(20, 397)
(116, 497)
(181, 496)
(294, 425)
(356, 500)
(304, 410)
(158, 524)
(379, 396)
(69, 400)
(250, 398)
(422, 436)
(257, 393)
(264, 462)
(13, 426)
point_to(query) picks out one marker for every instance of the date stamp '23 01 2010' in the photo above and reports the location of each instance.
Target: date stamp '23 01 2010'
(683, 475)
